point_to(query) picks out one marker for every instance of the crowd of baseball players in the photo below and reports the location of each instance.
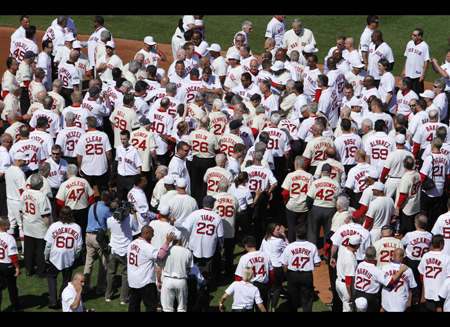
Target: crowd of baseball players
(272, 153)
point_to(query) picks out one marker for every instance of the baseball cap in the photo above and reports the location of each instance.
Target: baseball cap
(327, 168)
(178, 235)
(20, 156)
(278, 65)
(427, 94)
(30, 54)
(181, 182)
(69, 37)
(355, 240)
(168, 180)
(144, 121)
(386, 227)
(373, 173)
(209, 199)
(355, 102)
(378, 186)
(234, 55)
(94, 90)
(309, 48)
(357, 64)
(111, 44)
(361, 304)
(400, 139)
(164, 209)
(149, 40)
(76, 44)
(235, 124)
(214, 47)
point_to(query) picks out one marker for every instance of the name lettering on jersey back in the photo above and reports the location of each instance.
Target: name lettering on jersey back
(349, 142)
(224, 200)
(326, 185)
(349, 232)
(374, 143)
(3, 245)
(208, 218)
(65, 230)
(201, 136)
(298, 251)
(257, 173)
(140, 134)
(215, 174)
(438, 160)
(423, 240)
(73, 134)
(321, 145)
(390, 245)
(365, 272)
(94, 138)
(135, 248)
(300, 178)
(433, 261)
(393, 272)
(255, 260)
(74, 184)
(64, 71)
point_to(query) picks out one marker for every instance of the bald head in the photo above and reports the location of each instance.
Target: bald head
(330, 152)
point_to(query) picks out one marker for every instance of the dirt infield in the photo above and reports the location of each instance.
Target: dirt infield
(126, 49)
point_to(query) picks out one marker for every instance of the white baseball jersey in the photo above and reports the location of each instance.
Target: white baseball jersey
(441, 226)
(5, 160)
(76, 193)
(206, 232)
(20, 46)
(292, 41)
(444, 293)
(356, 177)
(260, 122)
(336, 80)
(300, 255)
(385, 247)
(437, 167)
(128, 160)
(387, 85)
(123, 118)
(394, 162)
(188, 90)
(364, 41)
(162, 124)
(34, 204)
(357, 81)
(378, 146)
(97, 109)
(45, 140)
(381, 116)
(53, 126)
(112, 62)
(172, 109)
(81, 114)
(395, 298)
(435, 268)
(259, 177)
(66, 241)
(270, 104)
(346, 146)
(369, 278)
(259, 262)
(69, 75)
(278, 141)
(68, 139)
(203, 144)
(427, 132)
(342, 235)
(59, 103)
(137, 197)
(213, 176)
(242, 194)
(410, 184)
(92, 146)
(441, 101)
(14, 179)
(310, 81)
(403, 100)
(420, 118)
(24, 75)
(8, 79)
(218, 123)
(227, 206)
(324, 192)
(337, 170)
(380, 210)
(416, 244)
(346, 264)
(30, 147)
(195, 112)
(8, 248)
(144, 141)
(416, 56)
(375, 53)
(315, 149)
(141, 256)
(244, 295)
(178, 169)
(233, 78)
(246, 93)
(33, 89)
(298, 184)
(276, 30)
(227, 143)
(68, 295)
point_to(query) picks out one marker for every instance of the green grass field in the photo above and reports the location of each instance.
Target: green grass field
(396, 29)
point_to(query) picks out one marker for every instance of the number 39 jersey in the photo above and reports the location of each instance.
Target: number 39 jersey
(93, 146)
(65, 240)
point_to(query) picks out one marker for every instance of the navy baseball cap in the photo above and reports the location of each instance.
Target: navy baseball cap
(209, 199)
(94, 91)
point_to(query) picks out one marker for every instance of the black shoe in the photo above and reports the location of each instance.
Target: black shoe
(41, 276)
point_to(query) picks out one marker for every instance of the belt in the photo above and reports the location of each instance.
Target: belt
(92, 233)
(394, 177)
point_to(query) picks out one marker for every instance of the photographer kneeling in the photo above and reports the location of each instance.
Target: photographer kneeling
(121, 227)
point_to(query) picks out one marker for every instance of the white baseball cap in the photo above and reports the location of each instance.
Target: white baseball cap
(20, 156)
(357, 64)
(234, 55)
(400, 139)
(76, 44)
(309, 48)
(378, 186)
(111, 44)
(278, 65)
(356, 102)
(373, 173)
(355, 240)
(149, 40)
(361, 304)
(214, 47)
(181, 182)
(69, 37)
(427, 94)
(164, 209)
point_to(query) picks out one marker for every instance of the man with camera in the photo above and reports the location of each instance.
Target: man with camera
(95, 234)
(121, 228)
